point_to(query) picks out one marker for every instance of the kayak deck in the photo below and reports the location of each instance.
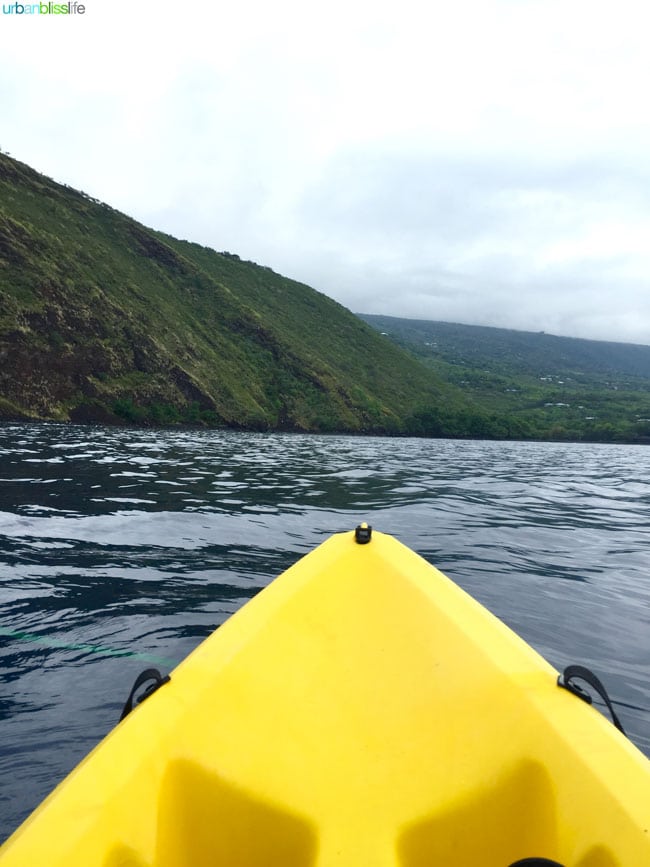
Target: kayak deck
(361, 710)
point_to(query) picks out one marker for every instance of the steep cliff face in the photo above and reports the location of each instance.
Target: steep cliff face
(102, 319)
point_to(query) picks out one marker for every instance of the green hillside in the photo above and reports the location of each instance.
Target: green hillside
(102, 319)
(552, 387)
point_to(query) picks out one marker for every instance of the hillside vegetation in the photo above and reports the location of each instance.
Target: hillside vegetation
(102, 319)
(550, 387)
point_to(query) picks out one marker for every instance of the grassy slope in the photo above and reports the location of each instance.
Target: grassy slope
(103, 319)
(553, 386)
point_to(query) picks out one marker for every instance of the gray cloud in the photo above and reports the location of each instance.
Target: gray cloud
(529, 245)
(483, 161)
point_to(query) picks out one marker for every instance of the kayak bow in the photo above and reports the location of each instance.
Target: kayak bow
(360, 710)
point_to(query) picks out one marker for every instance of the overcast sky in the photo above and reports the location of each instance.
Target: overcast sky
(476, 161)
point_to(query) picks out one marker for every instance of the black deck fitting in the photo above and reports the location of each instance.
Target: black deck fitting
(363, 534)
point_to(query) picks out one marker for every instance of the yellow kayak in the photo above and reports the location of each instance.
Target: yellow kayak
(361, 711)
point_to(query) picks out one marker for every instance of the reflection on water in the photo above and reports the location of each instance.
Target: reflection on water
(124, 546)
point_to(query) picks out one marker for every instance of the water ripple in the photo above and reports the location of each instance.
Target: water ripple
(122, 546)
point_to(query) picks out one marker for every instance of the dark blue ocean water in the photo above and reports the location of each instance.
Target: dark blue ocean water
(125, 548)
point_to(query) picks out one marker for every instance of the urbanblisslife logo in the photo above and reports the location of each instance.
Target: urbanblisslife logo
(43, 8)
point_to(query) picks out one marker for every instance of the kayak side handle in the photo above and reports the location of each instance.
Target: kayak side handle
(566, 681)
(150, 674)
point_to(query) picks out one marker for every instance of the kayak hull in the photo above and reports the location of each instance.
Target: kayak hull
(362, 709)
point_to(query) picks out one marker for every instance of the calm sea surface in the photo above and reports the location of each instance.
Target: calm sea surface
(125, 548)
